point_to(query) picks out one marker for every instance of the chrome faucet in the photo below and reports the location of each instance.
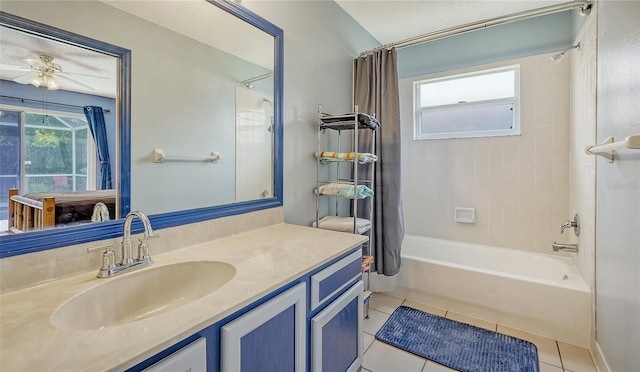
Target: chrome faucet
(100, 212)
(557, 247)
(127, 254)
(109, 267)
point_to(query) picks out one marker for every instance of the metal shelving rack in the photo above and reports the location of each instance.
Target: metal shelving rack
(351, 124)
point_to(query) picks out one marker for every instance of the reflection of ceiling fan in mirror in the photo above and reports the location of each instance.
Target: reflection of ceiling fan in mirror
(43, 72)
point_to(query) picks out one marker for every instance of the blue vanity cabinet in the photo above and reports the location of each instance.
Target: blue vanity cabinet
(273, 336)
(312, 323)
(336, 315)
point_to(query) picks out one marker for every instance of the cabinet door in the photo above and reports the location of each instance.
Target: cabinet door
(192, 357)
(271, 337)
(336, 334)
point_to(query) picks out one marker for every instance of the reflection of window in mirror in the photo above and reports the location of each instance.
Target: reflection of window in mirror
(51, 147)
(58, 152)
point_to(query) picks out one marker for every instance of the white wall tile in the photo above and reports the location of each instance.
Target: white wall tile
(519, 185)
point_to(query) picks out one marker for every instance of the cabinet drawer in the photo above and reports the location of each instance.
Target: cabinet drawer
(335, 278)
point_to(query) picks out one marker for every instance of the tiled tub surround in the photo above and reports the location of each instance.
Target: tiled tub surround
(264, 259)
(519, 185)
(524, 290)
(23, 271)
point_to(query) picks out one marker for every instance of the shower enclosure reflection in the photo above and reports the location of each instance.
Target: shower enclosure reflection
(254, 143)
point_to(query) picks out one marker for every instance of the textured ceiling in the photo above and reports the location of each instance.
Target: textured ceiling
(394, 20)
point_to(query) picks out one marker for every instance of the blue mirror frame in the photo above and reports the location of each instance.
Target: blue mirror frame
(16, 244)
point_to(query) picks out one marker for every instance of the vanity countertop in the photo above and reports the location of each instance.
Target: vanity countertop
(265, 259)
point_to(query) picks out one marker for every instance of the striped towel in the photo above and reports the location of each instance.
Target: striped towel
(363, 157)
(345, 190)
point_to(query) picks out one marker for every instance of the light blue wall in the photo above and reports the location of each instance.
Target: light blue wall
(577, 23)
(320, 43)
(514, 40)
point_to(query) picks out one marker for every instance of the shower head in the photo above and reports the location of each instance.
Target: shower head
(556, 58)
(267, 101)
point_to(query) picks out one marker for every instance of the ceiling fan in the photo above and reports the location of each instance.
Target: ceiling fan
(43, 72)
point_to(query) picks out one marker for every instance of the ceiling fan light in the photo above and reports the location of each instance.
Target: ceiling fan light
(52, 84)
(36, 81)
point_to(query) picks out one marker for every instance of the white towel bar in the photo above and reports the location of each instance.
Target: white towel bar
(607, 147)
(160, 157)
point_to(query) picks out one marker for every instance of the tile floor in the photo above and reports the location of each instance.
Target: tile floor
(554, 356)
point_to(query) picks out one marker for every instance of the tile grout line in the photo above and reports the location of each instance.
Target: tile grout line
(560, 355)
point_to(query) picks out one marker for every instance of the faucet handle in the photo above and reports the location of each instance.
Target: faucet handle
(575, 224)
(108, 257)
(143, 249)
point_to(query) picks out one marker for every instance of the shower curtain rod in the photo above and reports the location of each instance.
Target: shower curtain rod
(48, 103)
(248, 82)
(585, 9)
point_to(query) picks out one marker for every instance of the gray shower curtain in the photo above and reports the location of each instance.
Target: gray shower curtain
(376, 92)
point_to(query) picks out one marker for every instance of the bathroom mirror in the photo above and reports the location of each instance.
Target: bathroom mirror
(206, 76)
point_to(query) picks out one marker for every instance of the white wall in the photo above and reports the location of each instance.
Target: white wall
(518, 184)
(320, 44)
(618, 186)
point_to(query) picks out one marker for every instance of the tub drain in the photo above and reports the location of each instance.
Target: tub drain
(565, 277)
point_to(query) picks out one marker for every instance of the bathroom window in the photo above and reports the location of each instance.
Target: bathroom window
(479, 104)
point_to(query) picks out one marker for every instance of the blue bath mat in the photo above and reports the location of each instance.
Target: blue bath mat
(457, 345)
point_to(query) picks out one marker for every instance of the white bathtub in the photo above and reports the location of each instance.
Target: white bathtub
(538, 293)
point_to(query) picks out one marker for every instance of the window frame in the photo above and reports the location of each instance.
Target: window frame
(419, 110)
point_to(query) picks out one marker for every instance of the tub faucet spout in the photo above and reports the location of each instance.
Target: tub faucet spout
(557, 247)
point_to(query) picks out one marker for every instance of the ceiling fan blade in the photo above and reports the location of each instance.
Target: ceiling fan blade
(73, 81)
(79, 74)
(35, 62)
(14, 68)
(24, 79)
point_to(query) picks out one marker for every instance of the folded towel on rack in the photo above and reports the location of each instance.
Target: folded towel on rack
(344, 224)
(345, 190)
(364, 119)
(368, 120)
(363, 157)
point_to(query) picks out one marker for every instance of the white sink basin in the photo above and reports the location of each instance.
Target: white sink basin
(142, 294)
